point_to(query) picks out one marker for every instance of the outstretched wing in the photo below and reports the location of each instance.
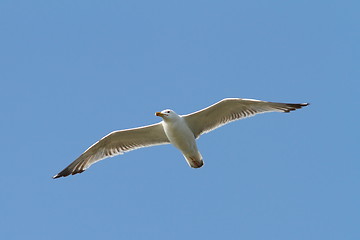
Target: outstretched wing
(117, 143)
(231, 109)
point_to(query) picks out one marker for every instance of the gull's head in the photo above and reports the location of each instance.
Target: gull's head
(166, 114)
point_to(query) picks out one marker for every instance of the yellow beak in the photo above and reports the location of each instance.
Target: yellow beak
(159, 114)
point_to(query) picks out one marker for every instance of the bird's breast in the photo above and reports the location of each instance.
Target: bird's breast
(180, 136)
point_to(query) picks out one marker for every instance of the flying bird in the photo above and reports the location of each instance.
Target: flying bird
(179, 130)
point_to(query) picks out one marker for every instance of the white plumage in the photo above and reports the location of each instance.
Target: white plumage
(179, 130)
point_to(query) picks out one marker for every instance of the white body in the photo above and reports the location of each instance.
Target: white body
(180, 135)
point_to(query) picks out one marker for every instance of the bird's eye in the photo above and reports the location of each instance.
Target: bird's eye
(167, 111)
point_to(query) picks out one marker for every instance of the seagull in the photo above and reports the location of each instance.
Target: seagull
(179, 130)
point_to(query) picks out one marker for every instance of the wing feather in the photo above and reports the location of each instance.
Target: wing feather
(117, 143)
(231, 109)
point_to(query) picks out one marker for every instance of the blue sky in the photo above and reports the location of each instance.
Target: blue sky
(73, 71)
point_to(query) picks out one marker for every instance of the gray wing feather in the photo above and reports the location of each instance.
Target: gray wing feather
(117, 143)
(231, 109)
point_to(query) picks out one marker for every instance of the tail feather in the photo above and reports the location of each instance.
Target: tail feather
(194, 161)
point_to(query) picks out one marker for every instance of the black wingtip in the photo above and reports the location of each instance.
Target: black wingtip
(294, 106)
(298, 105)
(66, 173)
(61, 174)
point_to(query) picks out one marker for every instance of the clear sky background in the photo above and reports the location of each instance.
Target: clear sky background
(73, 71)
